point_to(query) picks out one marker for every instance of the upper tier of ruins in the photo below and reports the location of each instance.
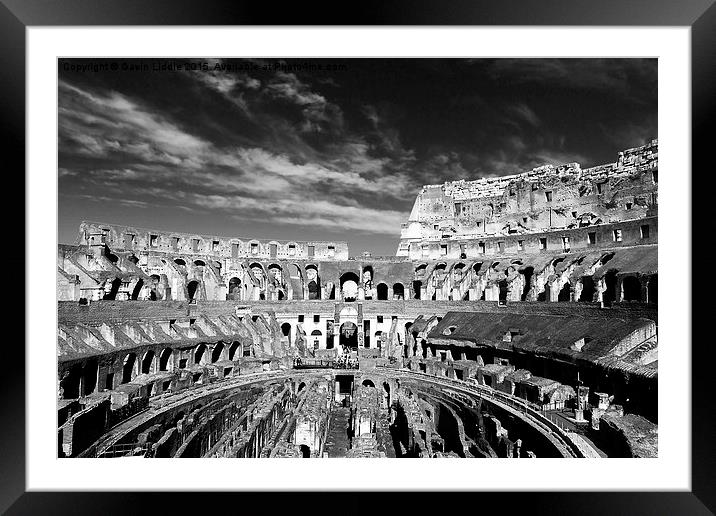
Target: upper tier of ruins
(546, 199)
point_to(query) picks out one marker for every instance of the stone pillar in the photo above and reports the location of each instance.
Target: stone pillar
(644, 280)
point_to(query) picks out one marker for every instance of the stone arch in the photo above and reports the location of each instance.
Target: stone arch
(90, 373)
(217, 353)
(527, 272)
(155, 293)
(129, 369)
(313, 282)
(631, 288)
(417, 285)
(398, 291)
(565, 293)
(382, 292)
(588, 289)
(286, 330)
(200, 354)
(148, 362)
(192, 290)
(348, 335)
(235, 346)
(165, 360)
(199, 263)
(368, 383)
(234, 289)
(610, 283)
(349, 286)
(70, 382)
(180, 261)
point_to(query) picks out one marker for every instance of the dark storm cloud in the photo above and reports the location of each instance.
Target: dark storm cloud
(342, 152)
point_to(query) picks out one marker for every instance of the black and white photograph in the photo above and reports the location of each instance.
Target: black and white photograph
(357, 258)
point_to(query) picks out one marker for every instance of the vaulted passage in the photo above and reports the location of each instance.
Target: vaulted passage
(632, 289)
(191, 289)
(587, 294)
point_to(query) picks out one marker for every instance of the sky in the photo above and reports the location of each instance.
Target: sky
(325, 149)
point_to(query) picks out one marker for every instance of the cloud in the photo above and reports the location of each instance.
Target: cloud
(161, 160)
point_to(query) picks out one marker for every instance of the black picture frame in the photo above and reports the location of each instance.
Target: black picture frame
(699, 15)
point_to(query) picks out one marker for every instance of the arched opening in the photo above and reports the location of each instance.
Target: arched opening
(180, 262)
(154, 293)
(147, 362)
(200, 263)
(610, 293)
(305, 451)
(233, 348)
(316, 338)
(349, 335)
(132, 258)
(503, 290)
(137, 289)
(417, 285)
(217, 352)
(128, 370)
(112, 294)
(165, 363)
(564, 293)
(653, 289)
(632, 288)
(191, 289)
(368, 383)
(89, 377)
(587, 293)
(286, 330)
(314, 282)
(382, 292)
(199, 354)
(476, 267)
(527, 272)
(542, 296)
(420, 269)
(70, 383)
(234, 289)
(349, 286)
(368, 281)
(301, 386)
(398, 291)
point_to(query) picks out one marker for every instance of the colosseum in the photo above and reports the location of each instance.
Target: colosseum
(518, 318)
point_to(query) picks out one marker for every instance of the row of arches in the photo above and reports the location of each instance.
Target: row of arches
(82, 379)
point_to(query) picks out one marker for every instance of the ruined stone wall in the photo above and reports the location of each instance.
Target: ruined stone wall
(545, 199)
(137, 239)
